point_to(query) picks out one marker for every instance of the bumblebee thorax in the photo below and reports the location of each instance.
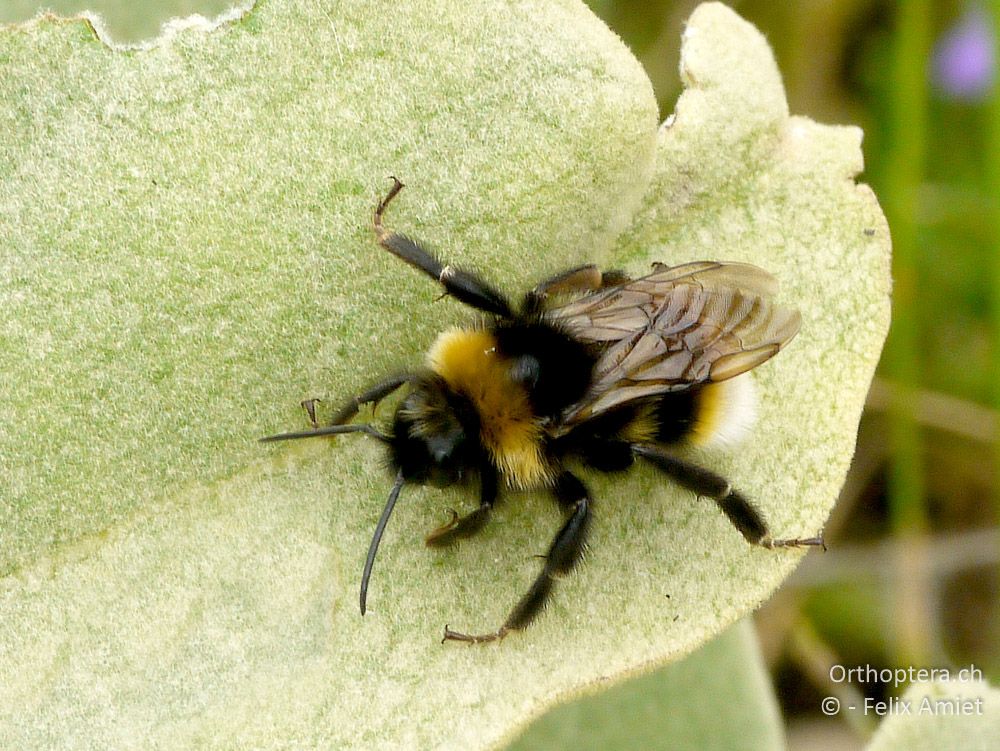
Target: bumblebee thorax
(471, 364)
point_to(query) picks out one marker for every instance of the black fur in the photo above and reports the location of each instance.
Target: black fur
(560, 366)
(435, 434)
(675, 414)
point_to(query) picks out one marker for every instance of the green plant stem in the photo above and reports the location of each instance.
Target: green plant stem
(992, 179)
(907, 116)
(991, 155)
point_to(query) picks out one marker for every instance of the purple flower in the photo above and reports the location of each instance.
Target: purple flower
(964, 64)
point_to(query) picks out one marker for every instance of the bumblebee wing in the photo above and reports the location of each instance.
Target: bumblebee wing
(618, 312)
(677, 327)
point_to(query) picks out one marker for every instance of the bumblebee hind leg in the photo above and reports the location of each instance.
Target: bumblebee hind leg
(565, 552)
(738, 509)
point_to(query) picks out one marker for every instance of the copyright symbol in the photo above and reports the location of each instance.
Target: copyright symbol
(830, 706)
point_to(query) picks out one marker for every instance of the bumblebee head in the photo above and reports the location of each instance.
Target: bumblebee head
(434, 439)
(433, 435)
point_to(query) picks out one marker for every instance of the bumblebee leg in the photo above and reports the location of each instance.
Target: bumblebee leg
(581, 279)
(372, 395)
(461, 285)
(738, 509)
(587, 278)
(466, 526)
(564, 553)
(309, 405)
(347, 412)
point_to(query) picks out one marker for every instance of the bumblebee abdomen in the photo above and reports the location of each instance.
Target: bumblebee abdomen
(471, 364)
(711, 414)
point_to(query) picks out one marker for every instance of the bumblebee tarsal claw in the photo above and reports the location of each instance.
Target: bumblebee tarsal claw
(471, 639)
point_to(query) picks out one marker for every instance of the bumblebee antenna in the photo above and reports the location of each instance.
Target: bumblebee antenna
(328, 430)
(377, 537)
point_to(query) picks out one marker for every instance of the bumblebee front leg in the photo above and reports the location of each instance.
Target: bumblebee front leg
(461, 285)
(564, 553)
(741, 513)
(371, 395)
(468, 525)
(337, 425)
(309, 405)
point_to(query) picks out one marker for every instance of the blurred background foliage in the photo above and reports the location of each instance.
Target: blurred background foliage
(911, 577)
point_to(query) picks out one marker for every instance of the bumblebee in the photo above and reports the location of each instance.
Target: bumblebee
(591, 368)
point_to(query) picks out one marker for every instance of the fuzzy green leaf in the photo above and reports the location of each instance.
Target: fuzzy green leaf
(126, 21)
(941, 715)
(187, 254)
(719, 697)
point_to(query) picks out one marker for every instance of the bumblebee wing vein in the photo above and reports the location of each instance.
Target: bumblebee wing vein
(696, 327)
